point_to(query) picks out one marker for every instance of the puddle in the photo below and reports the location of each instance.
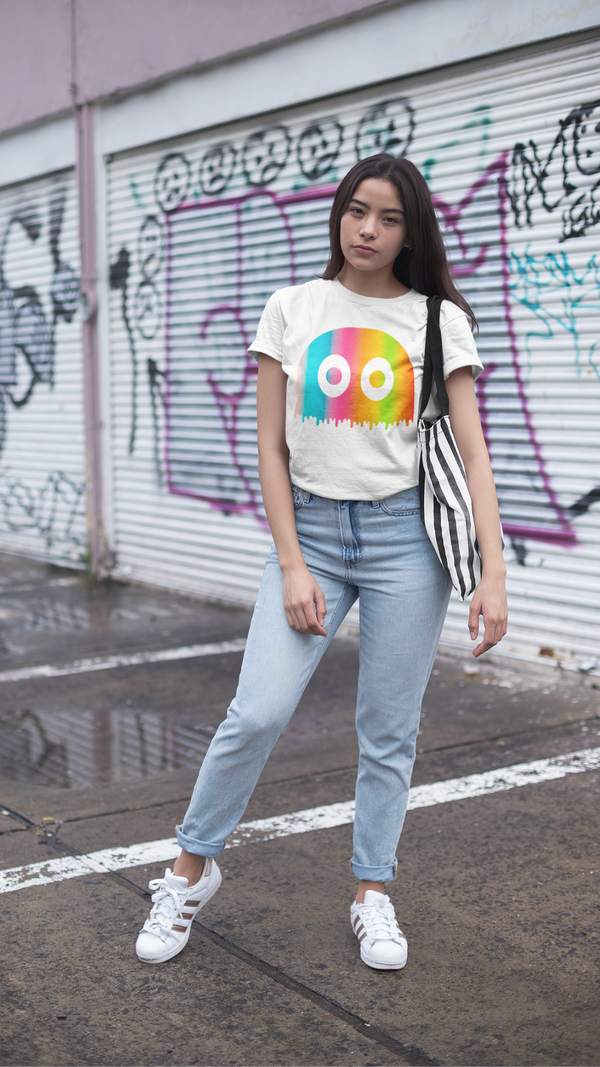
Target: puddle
(51, 613)
(75, 748)
(44, 614)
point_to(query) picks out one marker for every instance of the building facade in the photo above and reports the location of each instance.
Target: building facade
(169, 165)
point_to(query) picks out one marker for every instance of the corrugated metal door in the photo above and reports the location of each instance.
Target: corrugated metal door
(42, 452)
(202, 231)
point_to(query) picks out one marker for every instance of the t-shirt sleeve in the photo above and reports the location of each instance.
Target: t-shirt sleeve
(269, 335)
(457, 341)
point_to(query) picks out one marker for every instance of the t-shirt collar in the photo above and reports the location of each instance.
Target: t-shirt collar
(356, 298)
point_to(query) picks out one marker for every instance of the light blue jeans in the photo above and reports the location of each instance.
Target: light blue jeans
(376, 550)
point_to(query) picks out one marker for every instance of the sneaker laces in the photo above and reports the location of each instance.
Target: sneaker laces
(380, 920)
(165, 901)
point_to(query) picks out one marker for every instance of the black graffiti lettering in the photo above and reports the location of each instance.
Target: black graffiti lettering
(32, 333)
(386, 127)
(7, 344)
(2, 420)
(583, 505)
(216, 168)
(568, 179)
(28, 217)
(157, 381)
(172, 181)
(25, 331)
(318, 148)
(264, 155)
(64, 289)
(520, 550)
(586, 137)
(119, 271)
(147, 309)
(56, 216)
(51, 510)
(150, 246)
(119, 279)
(528, 178)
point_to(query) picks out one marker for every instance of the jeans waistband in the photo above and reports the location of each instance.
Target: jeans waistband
(305, 495)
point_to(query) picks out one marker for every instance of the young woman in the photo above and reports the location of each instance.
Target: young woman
(339, 378)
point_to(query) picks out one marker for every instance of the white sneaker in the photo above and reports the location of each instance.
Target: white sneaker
(382, 943)
(174, 905)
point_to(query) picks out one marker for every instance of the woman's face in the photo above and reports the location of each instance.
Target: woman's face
(373, 227)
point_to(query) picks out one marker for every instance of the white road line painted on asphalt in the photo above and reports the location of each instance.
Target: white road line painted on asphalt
(301, 822)
(134, 659)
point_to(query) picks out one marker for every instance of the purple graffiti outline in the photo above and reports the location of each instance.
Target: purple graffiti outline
(228, 403)
(452, 215)
(566, 536)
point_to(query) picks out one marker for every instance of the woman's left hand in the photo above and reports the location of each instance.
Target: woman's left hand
(489, 600)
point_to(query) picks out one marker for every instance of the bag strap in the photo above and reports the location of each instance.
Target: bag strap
(433, 366)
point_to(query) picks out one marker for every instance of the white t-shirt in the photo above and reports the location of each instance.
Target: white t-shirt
(354, 366)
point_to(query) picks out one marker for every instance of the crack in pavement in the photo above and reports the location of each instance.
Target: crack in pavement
(411, 1054)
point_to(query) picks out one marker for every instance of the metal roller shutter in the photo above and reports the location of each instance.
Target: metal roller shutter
(202, 231)
(42, 452)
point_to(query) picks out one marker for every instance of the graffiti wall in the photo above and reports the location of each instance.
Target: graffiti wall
(42, 457)
(204, 230)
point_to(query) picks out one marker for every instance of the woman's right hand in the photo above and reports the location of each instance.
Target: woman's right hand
(303, 601)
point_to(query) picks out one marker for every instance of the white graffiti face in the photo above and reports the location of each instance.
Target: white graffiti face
(587, 142)
(150, 246)
(147, 310)
(387, 127)
(264, 154)
(216, 168)
(318, 148)
(172, 181)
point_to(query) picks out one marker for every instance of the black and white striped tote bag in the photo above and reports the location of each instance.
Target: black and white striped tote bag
(446, 508)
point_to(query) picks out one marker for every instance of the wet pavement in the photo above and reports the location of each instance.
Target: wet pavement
(498, 894)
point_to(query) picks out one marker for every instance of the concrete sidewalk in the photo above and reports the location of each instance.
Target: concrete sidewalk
(497, 894)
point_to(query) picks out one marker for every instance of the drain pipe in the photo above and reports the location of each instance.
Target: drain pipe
(84, 118)
(83, 114)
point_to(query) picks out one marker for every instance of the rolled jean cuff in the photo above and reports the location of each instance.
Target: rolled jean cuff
(210, 849)
(375, 874)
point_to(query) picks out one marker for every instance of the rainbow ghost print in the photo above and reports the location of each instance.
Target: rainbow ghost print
(356, 375)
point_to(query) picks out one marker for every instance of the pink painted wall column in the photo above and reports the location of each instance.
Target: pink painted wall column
(84, 114)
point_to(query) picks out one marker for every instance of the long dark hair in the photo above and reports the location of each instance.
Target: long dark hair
(423, 266)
